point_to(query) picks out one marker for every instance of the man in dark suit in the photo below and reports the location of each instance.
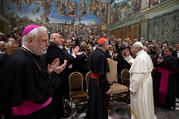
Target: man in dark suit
(56, 50)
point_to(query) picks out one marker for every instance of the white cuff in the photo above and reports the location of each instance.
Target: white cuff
(73, 55)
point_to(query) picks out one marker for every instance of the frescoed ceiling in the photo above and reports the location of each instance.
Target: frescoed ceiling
(80, 16)
(60, 11)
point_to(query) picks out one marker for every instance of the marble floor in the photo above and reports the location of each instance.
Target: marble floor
(119, 110)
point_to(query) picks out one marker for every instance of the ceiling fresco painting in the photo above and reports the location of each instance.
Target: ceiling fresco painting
(60, 11)
(70, 14)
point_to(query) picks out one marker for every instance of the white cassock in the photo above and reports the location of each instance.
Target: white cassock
(142, 106)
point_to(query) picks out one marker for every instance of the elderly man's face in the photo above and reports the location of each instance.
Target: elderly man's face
(59, 39)
(41, 44)
(134, 50)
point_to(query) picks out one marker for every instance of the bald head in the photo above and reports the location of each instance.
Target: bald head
(57, 39)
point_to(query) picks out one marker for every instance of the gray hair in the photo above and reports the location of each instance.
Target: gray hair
(33, 34)
(139, 45)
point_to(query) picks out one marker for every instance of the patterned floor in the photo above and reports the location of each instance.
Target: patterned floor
(118, 110)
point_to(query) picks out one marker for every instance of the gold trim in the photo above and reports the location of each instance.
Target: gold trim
(87, 80)
(135, 115)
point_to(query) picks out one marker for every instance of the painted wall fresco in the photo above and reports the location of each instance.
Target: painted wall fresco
(63, 15)
(123, 8)
(165, 28)
(144, 4)
(155, 2)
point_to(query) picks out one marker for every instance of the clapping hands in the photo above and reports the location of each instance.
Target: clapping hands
(75, 50)
(55, 66)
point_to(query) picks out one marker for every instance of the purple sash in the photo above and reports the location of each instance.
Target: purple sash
(163, 90)
(27, 107)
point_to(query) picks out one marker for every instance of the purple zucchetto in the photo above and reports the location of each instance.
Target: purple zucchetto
(29, 28)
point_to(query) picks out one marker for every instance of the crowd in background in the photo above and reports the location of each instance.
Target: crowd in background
(161, 52)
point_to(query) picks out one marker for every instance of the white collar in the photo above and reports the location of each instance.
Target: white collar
(27, 48)
(61, 47)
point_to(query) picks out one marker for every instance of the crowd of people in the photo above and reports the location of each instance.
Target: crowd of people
(35, 66)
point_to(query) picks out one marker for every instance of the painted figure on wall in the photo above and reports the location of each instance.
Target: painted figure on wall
(137, 5)
(124, 8)
(144, 4)
(36, 9)
(155, 2)
(83, 7)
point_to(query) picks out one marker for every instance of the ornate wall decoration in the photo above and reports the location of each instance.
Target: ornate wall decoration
(165, 28)
(144, 28)
(155, 2)
(124, 8)
(131, 31)
(144, 4)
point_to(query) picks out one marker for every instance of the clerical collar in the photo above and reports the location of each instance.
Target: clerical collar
(27, 48)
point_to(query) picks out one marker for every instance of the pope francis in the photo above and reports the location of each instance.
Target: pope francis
(141, 87)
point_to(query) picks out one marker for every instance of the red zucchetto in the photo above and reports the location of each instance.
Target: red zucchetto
(101, 41)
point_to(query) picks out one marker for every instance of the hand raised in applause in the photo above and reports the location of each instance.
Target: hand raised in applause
(55, 66)
(80, 53)
(75, 50)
